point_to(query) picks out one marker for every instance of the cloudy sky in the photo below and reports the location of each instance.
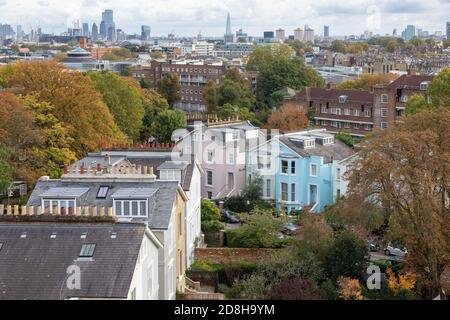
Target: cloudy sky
(188, 17)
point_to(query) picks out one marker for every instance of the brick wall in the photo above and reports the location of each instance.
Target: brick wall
(224, 255)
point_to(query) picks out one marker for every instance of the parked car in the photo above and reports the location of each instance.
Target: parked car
(373, 246)
(290, 229)
(396, 250)
(229, 217)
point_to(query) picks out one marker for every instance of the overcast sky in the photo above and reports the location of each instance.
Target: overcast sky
(189, 17)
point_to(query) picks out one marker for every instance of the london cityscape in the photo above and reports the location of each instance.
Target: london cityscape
(224, 151)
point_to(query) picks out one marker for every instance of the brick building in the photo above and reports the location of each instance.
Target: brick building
(194, 76)
(359, 112)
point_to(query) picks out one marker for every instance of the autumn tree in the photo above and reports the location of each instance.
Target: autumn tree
(440, 89)
(294, 289)
(402, 282)
(210, 96)
(169, 87)
(78, 105)
(405, 171)
(367, 81)
(119, 54)
(5, 168)
(288, 119)
(123, 100)
(349, 289)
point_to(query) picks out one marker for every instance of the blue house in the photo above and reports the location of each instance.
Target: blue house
(297, 169)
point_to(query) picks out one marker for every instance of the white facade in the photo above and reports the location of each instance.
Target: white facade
(146, 281)
(340, 179)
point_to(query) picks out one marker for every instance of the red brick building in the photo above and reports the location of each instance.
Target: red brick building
(359, 112)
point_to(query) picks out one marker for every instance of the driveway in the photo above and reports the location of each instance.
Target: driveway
(374, 256)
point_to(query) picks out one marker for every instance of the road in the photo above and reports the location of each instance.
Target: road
(374, 256)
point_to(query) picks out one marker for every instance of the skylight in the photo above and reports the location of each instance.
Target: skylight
(87, 250)
(1, 246)
(102, 192)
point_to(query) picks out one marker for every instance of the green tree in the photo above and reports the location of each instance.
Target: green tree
(338, 46)
(415, 104)
(210, 217)
(210, 96)
(260, 230)
(119, 54)
(235, 90)
(5, 168)
(166, 122)
(169, 87)
(346, 257)
(123, 100)
(153, 103)
(440, 89)
(265, 55)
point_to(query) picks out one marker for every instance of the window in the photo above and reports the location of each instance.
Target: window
(346, 125)
(368, 113)
(384, 125)
(130, 208)
(293, 192)
(356, 126)
(356, 112)
(424, 86)
(313, 170)
(384, 98)
(284, 192)
(231, 158)
(347, 112)
(268, 188)
(210, 155)
(59, 206)
(338, 111)
(367, 127)
(209, 195)
(343, 99)
(209, 178)
(284, 167)
(87, 251)
(323, 109)
(384, 112)
(338, 174)
(293, 167)
(338, 193)
(102, 192)
(404, 98)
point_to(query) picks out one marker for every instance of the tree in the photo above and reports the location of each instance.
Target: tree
(416, 104)
(234, 90)
(265, 55)
(288, 119)
(210, 217)
(260, 230)
(347, 257)
(349, 289)
(405, 171)
(210, 96)
(315, 234)
(123, 100)
(169, 87)
(368, 81)
(153, 104)
(294, 289)
(5, 168)
(119, 54)
(338, 46)
(56, 142)
(78, 105)
(166, 122)
(403, 282)
(440, 89)
(347, 139)
(228, 110)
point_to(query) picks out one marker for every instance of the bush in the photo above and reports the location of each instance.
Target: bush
(295, 289)
(206, 266)
(212, 226)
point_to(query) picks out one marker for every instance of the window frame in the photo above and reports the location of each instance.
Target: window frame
(130, 203)
(316, 170)
(87, 250)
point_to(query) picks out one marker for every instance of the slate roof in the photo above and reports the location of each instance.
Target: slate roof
(161, 201)
(357, 96)
(337, 151)
(410, 81)
(35, 267)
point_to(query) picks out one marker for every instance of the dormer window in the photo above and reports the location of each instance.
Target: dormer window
(132, 202)
(170, 175)
(343, 99)
(404, 98)
(309, 144)
(328, 141)
(424, 86)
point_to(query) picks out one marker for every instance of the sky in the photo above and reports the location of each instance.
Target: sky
(189, 17)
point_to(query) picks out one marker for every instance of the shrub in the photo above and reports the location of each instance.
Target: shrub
(294, 289)
(206, 266)
(212, 226)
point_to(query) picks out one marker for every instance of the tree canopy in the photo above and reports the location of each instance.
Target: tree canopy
(169, 87)
(166, 122)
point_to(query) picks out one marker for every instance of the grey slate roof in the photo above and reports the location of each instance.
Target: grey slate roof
(336, 151)
(161, 201)
(35, 267)
(173, 165)
(95, 158)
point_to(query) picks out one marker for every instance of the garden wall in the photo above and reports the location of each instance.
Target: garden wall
(227, 255)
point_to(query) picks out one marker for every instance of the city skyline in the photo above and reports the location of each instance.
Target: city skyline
(209, 17)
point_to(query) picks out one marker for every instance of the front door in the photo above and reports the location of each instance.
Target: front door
(313, 194)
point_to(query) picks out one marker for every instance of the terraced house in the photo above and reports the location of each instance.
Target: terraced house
(301, 170)
(133, 195)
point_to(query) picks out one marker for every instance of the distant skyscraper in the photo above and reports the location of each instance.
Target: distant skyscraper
(112, 33)
(410, 32)
(19, 34)
(448, 30)
(309, 34)
(94, 32)
(394, 33)
(85, 29)
(280, 35)
(229, 36)
(145, 33)
(298, 34)
(269, 35)
(108, 22)
(326, 32)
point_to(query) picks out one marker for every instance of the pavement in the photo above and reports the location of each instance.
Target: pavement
(375, 256)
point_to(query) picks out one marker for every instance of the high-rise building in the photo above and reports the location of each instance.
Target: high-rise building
(112, 33)
(298, 34)
(448, 29)
(229, 36)
(410, 32)
(269, 35)
(20, 33)
(145, 33)
(86, 29)
(326, 32)
(94, 32)
(280, 35)
(108, 22)
(309, 34)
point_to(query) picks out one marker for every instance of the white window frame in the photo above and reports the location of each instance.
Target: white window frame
(268, 188)
(383, 125)
(130, 203)
(207, 178)
(59, 202)
(384, 112)
(286, 198)
(311, 170)
(384, 98)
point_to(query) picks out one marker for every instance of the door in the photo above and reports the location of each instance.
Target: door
(230, 180)
(313, 194)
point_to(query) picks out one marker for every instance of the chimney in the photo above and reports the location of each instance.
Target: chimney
(108, 159)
